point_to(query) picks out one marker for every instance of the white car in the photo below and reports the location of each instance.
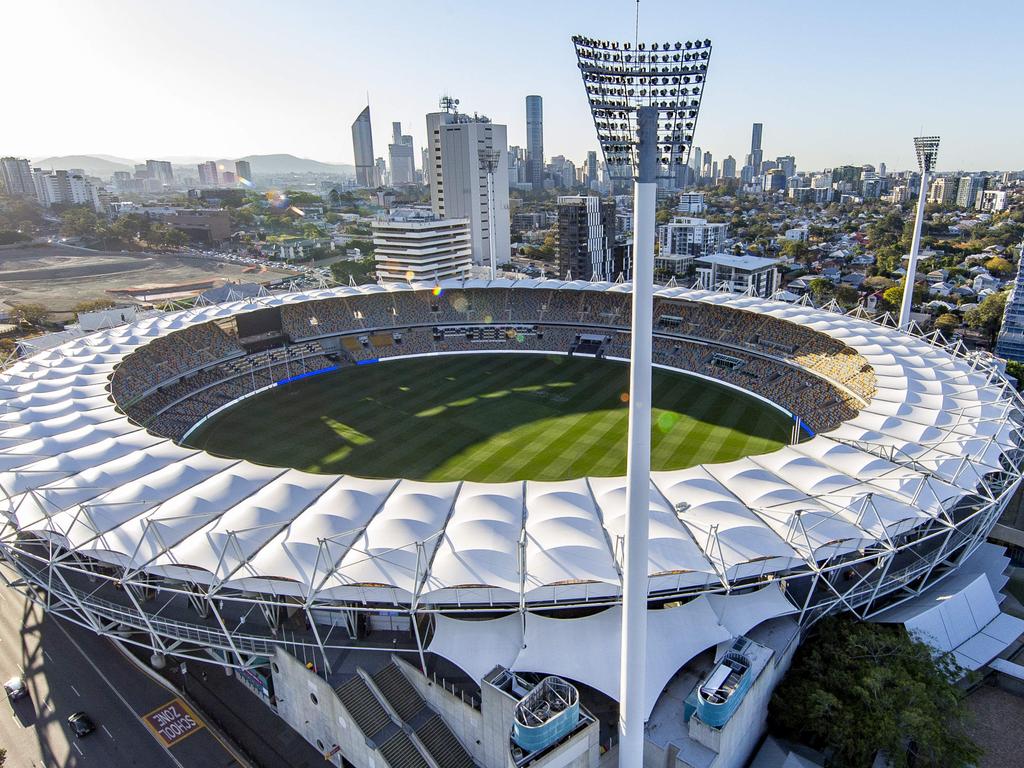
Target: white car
(15, 688)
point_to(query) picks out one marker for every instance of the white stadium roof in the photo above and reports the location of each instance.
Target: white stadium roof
(74, 469)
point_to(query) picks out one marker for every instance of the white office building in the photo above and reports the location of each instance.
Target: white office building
(740, 274)
(684, 239)
(401, 155)
(458, 179)
(691, 203)
(412, 245)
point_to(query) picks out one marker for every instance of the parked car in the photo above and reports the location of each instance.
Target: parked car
(81, 725)
(15, 688)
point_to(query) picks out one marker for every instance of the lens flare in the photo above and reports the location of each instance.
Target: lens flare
(296, 210)
(437, 290)
(624, 397)
(409, 275)
(667, 420)
(245, 182)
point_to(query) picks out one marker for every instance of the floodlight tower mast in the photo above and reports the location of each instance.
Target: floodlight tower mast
(644, 101)
(489, 159)
(927, 150)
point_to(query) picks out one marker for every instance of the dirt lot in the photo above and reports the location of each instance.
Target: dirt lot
(61, 277)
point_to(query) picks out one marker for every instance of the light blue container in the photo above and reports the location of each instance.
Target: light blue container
(546, 714)
(719, 696)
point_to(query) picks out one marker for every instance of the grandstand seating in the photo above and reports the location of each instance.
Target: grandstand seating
(176, 380)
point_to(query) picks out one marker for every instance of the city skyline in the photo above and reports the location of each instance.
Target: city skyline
(243, 99)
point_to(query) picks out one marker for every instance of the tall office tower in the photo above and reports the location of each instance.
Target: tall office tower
(243, 171)
(695, 157)
(881, 169)
(591, 177)
(788, 165)
(729, 167)
(586, 238)
(208, 174)
(402, 157)
(714, 172)
(380, 173)
(160, 170)
(705, 171)
(459, 146)
(17, 176)
(775, 181)
(535, 140)
(756, 155)
(362, 146)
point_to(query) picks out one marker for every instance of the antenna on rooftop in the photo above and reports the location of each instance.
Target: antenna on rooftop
(449, 104)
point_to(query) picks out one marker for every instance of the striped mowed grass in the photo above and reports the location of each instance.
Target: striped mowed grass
(488, 418)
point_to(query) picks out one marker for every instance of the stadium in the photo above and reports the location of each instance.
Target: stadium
(873, 464)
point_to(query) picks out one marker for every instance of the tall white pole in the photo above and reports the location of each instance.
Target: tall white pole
(633, 664)
(915, 246)
(490, 223)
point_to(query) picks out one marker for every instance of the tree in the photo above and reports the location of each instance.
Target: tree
(988, 315)
(32, 313)
(797, 250)
(821, 290)
(91, 305)
(999, 266)
(877, 283)
(947, 323)
(360, 271)
(893, 296)
(79, 222)
(856, 688)
(847, 295)
(1016, 369)
(11, 236)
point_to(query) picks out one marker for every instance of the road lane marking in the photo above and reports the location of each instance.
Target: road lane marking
(108, 732)
(113, 689)
(173, 722)
(75, 690)
(79, 751)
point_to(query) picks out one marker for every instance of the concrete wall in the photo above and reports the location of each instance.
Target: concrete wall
(465, 721)
(327, 720)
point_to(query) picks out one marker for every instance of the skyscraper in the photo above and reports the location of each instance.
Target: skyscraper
(458, 179)
(160, 170)
(242, 170)
(756, 154)
(591, 177)
(362, 146)
(586, 239)
(788, 165)
(17, 176)
(535, 141)
(208, 174)
(401, 155)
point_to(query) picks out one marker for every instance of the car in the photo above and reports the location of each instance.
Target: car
(15, 688)
(81, 724)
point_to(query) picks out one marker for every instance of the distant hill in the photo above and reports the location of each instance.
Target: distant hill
(278, 164)
(93, 165)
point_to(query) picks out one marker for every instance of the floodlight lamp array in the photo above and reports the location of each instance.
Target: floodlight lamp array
(927, 149)
(620, 78)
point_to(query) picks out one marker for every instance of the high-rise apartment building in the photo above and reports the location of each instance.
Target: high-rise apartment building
(943, 190)
(243, 170)
(208, 174)
(459, 148)
(64, 188)
(775, 181)
(968, 190)
(729, 167)
(684, 239)
(160, 170)
(535, 141)
(788, 165)
(586, 239)
(756, 154)
(17, 176)
(412, 245)
(402, 157)
(362, 147)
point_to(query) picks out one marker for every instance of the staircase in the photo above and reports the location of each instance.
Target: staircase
(430, 728)
(364, 708)
(442, 745)
(400, 752)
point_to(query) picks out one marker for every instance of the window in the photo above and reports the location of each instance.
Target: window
(313, 698)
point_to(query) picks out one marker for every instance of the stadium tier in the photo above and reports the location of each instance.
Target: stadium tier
(123, 529)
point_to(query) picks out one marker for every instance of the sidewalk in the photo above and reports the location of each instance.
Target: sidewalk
(265, 738)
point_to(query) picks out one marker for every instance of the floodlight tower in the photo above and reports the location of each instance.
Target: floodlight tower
(644, 101)
(927, 149)
(489, 159)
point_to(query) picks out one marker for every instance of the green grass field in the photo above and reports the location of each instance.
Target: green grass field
(487, 418)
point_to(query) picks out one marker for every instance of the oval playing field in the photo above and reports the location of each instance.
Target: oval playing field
(487, 417)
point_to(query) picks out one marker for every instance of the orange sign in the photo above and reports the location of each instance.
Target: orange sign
(173, 722)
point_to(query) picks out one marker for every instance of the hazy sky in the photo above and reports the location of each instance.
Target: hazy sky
(833, 82)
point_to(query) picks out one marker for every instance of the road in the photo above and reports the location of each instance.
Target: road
(67, 669)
